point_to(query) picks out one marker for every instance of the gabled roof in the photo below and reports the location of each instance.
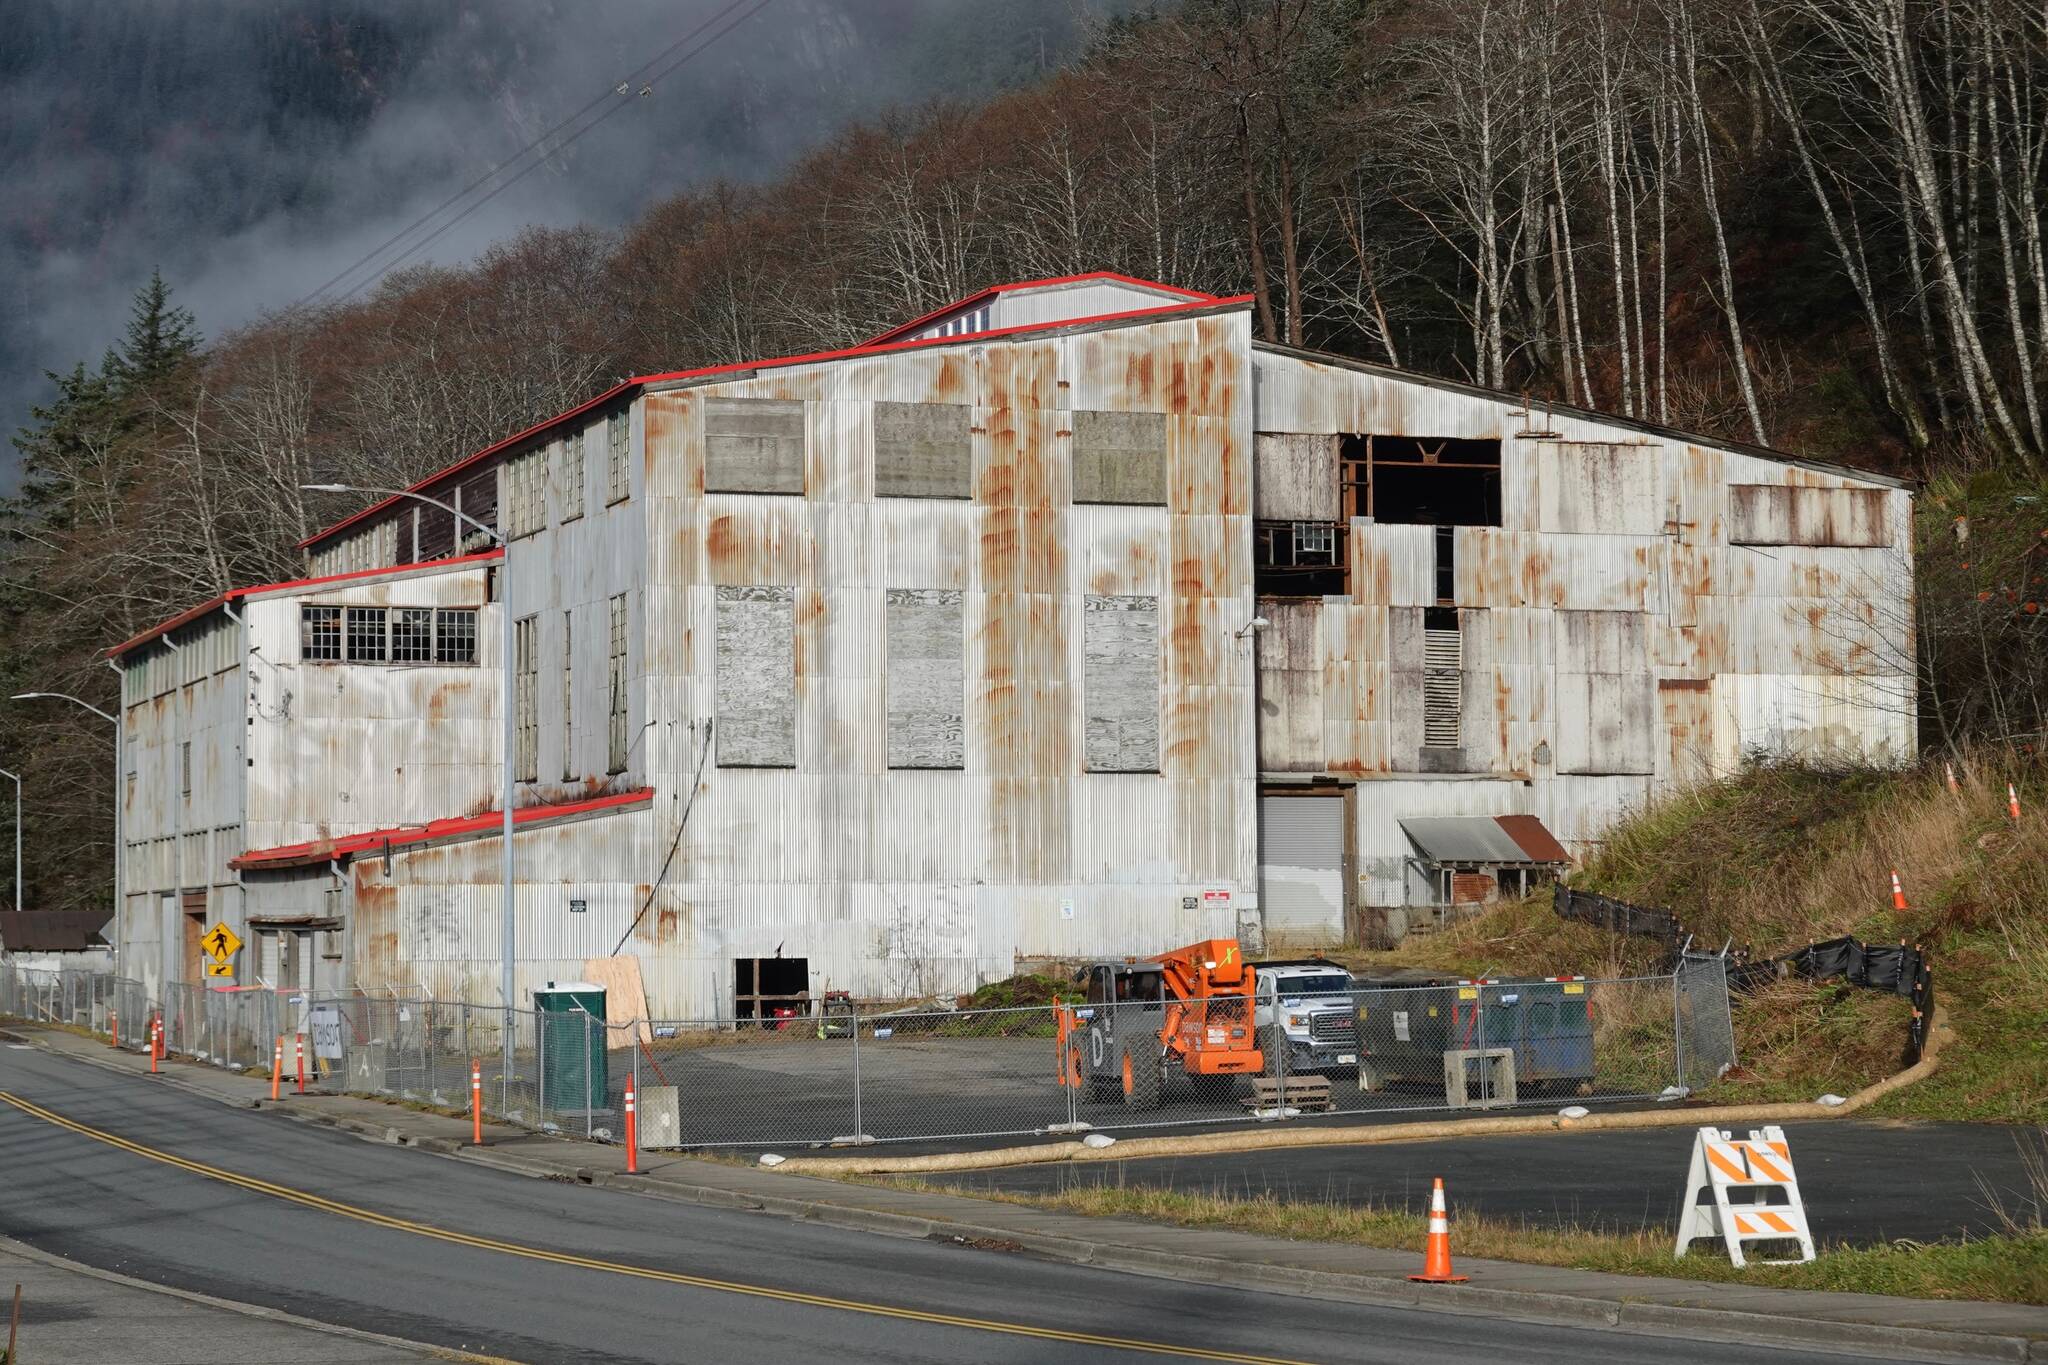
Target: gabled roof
(319, 852)
(1192, 305)
(994, 291)
(299, 585)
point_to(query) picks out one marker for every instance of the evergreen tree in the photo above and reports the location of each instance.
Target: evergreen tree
(160, 339)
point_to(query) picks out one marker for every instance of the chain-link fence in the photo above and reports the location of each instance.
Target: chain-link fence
(849, 1074)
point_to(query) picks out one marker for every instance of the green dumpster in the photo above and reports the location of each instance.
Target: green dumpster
(571, 1047)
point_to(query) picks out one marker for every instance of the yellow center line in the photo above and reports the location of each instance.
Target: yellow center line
(362, 1215)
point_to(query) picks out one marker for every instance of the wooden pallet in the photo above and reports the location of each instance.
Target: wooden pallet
(1300, 1092)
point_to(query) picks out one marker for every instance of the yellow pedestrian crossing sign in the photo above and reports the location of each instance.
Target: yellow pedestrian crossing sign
(220, 969)
(222, 945)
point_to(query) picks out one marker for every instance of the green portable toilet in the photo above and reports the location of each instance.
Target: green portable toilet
(571, 1048)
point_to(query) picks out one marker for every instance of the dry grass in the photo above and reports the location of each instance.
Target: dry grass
(2009, 1268)
(1783, 855)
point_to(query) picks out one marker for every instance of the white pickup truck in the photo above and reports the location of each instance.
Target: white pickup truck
(1316, 1015)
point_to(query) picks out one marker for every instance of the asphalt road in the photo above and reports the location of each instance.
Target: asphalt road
(436, 1250)
(1863, 1182)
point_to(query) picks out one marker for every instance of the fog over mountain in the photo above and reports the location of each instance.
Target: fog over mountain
(254, 148)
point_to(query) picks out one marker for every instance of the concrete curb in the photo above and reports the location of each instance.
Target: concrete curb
(247, 1310)
(1269, 1139)
(1532, 1306)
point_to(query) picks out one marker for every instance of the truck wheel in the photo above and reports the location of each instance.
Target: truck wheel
(1141, 1079)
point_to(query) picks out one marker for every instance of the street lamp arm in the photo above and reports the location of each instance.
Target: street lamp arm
(66, 696)
(449, 508)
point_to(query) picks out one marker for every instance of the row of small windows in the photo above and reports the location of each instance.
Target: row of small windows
(198, 857)
(925, 450)
(526, 650)
(181, 658)
(529, 473)
(387, 635)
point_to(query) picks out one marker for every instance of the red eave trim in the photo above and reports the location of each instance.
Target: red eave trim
(997, 289)
(258, 590)
(318, 851)
(640, 381)
(424, 484)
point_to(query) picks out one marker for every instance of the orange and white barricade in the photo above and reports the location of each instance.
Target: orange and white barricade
(1754, 1194)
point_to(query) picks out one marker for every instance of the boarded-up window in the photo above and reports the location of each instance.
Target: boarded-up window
(1606, 699)
(618, 457)
(756, 678)
(923, 450)
(568, 458)
(1120, 457)
(526, 704)
(616, 725)
(926, 679)
(1603, 488)
(1768, 514)
(1121, 682)
(1294, 478)
(753, 445)
(568, 695)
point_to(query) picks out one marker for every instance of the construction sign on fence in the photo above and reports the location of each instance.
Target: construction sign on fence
(1754, 1194)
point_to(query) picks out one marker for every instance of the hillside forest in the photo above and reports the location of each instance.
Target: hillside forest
(1811, 224)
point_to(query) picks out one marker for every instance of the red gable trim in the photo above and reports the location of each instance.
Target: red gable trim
(995, 290)
(637, 382)
(319, 851)
(296, 584)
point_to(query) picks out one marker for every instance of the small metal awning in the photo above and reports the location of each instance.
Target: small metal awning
(1485, 841)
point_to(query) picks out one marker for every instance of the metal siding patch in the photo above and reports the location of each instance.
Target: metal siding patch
(753, 445)
(1120, 457)
(923, 450)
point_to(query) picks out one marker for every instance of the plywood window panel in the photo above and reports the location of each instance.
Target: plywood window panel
(756, 695)
(923, 450)
(618, 438)
(616, 741)
(927, 678)
(1771, 514)
(1121, 684)
(1120, 457)
(526, 702)
(1294, 477)
(1605, 699)
(753, 445)
(568, 461)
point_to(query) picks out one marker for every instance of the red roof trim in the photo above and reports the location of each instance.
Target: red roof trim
(780, 362)
(995, 290)
(317, 851)
(258, 590)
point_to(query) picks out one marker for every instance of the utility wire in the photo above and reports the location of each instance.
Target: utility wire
(620, 92)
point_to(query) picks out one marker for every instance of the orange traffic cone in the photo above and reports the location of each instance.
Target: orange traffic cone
(1436, 1262)
(2012, 802)
(1898, 892)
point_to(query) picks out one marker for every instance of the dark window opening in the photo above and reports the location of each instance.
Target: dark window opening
(1300, 558)
(320, 634)
(1420, 481)
(771, 991)
(1446, 564)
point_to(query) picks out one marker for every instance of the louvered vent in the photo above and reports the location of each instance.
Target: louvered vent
(1442, 687)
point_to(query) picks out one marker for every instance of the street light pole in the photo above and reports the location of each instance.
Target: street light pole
(507, 932)
(120, 853)
(17, 836)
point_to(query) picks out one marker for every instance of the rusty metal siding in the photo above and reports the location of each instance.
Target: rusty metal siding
(753, 445)
(1119, 457)
(1291, 675)
(1764, 514)
(926, 678)
(1602, 487)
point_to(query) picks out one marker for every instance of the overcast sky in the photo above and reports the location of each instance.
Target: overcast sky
(253, 148)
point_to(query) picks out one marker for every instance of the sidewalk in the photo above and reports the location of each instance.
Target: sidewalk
(75, 1315)
(1923, 1329)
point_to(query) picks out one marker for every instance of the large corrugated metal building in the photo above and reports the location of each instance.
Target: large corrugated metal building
(1066, 620)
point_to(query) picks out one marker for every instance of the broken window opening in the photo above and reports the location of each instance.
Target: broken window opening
(1446, 564)
(770, 990)
(1420, 480)
(1300, 559)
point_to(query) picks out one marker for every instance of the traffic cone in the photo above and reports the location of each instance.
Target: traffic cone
(1898, 892)
(1954, 787)
(1436, 1261)
(2012, 802)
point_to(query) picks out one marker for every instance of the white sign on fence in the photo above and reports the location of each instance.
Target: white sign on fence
(326, 1020)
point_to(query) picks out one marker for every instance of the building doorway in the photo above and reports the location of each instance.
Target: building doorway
(193, 904)
(771, 990)
(1301, 870)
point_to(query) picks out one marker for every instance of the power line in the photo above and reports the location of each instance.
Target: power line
(621, 90)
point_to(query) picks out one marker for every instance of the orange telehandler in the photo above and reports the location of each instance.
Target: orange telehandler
(1190, 1008)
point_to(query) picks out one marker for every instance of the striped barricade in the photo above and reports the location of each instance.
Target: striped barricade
(1755, 1194)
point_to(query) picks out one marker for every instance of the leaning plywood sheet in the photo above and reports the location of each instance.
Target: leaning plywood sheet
(625, 996)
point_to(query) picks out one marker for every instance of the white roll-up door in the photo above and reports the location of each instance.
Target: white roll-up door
(1301, 868)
